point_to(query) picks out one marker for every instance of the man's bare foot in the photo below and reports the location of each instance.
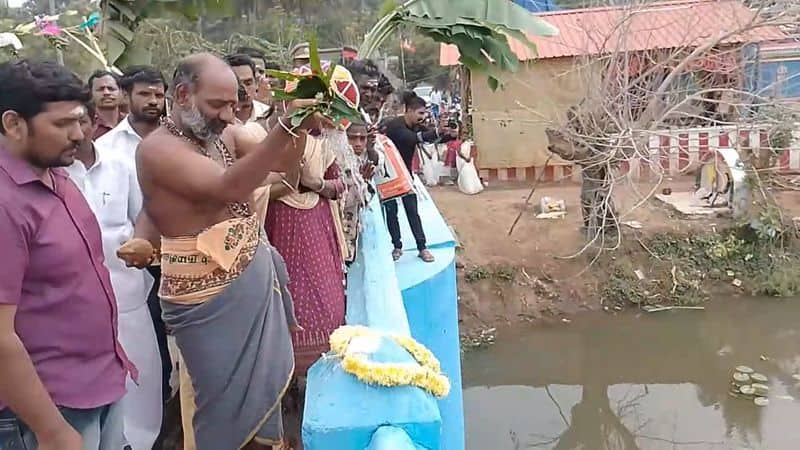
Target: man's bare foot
(397, 253)
(426, 256)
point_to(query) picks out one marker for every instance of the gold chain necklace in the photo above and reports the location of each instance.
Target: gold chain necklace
(238, 209)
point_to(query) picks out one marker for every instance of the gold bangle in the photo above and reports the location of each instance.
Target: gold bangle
(288, 130)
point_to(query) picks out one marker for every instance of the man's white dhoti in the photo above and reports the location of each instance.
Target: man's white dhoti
(142, 403)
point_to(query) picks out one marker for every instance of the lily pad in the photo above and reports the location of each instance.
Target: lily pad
(761, 401)
(760, 389)
(758, 378)
(744, 369)
(747, 390)
(741, 378)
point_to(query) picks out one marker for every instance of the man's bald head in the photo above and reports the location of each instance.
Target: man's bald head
(204, 93)
(192, 68)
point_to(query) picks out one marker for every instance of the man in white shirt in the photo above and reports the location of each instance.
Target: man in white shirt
(436, 103)
(110, 187)
(249, 109)
(144, 89)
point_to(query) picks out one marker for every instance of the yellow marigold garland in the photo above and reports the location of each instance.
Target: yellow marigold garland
(426, 374)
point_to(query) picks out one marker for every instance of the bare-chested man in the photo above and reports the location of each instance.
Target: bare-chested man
(223, 287)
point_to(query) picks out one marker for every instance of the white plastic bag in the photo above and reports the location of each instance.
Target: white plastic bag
(429, 160)
(468, 180)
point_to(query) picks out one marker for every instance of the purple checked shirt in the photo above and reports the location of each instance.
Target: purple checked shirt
(51, 268)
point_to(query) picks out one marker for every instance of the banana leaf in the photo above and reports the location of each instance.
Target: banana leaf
(134, 55)
(122, 19)
(499, 12)
(124, 33)
(114, 48)
(479, 28)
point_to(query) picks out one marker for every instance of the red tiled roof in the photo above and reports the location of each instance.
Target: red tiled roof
(658, 26)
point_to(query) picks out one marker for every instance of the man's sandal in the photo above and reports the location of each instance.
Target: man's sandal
(426, 256)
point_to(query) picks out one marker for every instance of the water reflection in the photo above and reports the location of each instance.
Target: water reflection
(649, 382)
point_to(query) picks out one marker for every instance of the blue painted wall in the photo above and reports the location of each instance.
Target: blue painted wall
(772, 73)
(434, 322)
(342, 413)
(430, 297)
(779, 79)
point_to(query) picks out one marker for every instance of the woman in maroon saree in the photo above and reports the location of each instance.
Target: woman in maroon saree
(305, 227)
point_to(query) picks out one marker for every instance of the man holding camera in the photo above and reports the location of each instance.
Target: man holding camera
(407, 132)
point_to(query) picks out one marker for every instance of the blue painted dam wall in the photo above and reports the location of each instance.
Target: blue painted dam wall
(406, 297)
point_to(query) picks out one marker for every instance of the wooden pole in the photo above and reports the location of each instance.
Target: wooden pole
(59, 53)
(402, 59)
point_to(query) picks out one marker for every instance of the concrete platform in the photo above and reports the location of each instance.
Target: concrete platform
(690, 207)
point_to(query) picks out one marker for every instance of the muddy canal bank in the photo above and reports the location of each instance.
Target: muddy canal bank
(534, 274)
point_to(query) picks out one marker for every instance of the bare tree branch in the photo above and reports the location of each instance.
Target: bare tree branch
(633, 94)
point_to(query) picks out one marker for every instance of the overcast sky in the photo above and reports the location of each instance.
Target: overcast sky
(15, 3)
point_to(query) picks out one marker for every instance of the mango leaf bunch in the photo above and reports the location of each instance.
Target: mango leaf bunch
(331, 84)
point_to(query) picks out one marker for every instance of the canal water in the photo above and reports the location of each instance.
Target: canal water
(639, 381)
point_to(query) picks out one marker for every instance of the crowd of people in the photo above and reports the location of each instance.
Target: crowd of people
(180, 238)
